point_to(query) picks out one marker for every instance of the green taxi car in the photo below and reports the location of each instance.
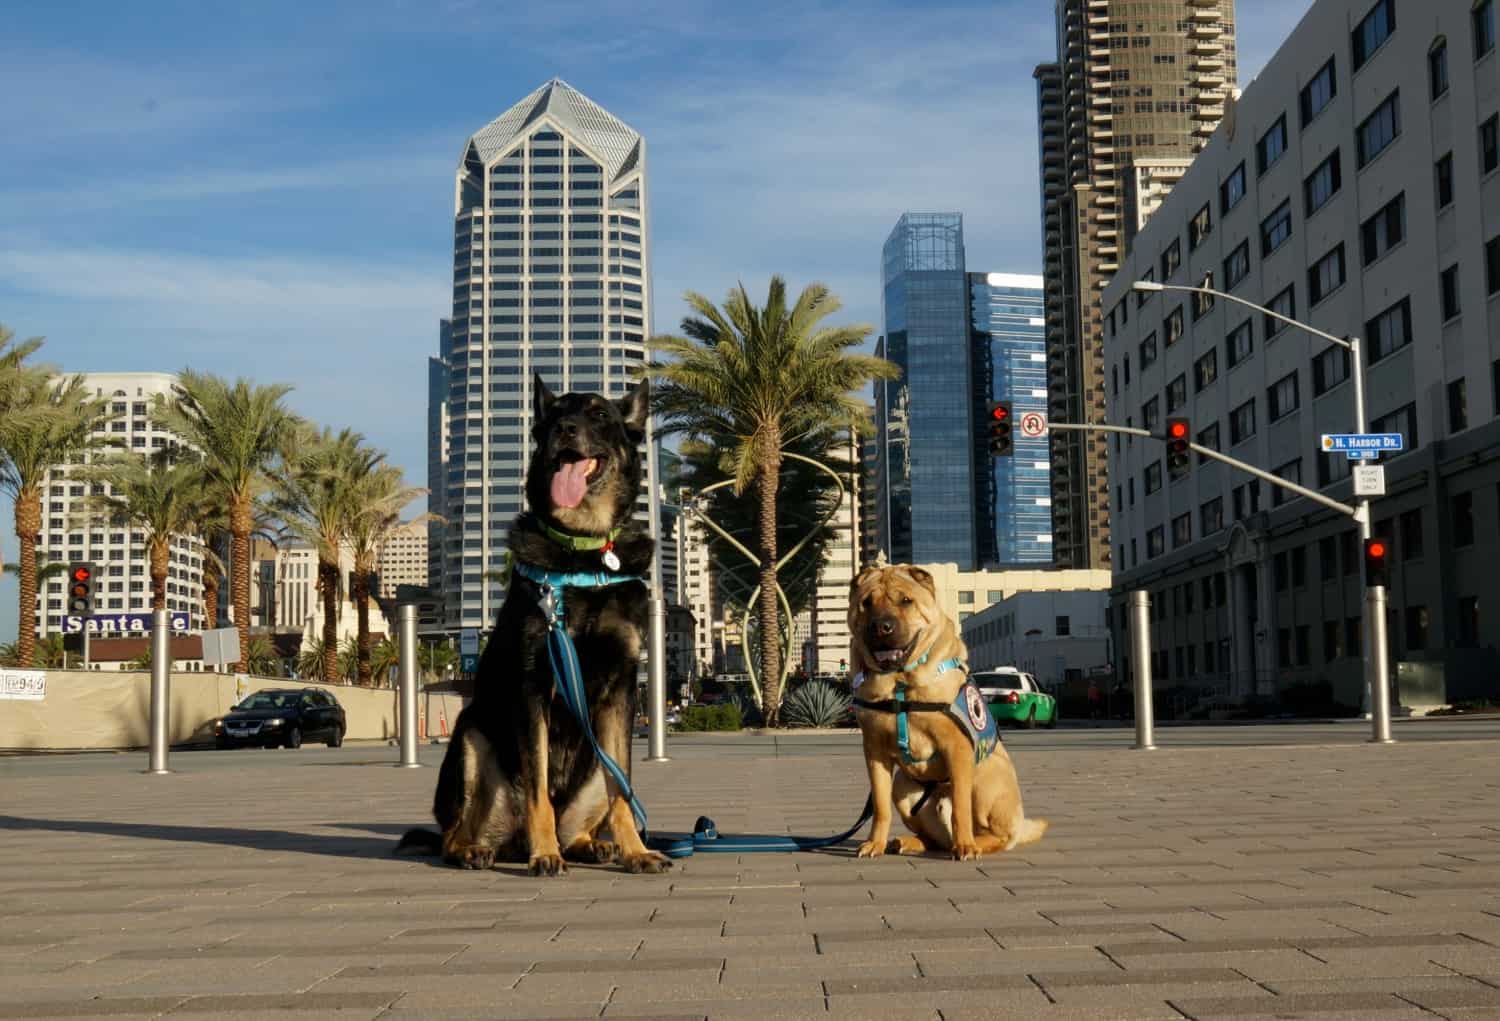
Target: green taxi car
(1014, 697)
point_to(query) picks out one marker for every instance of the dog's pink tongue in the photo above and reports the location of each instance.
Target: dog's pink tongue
(570, 482)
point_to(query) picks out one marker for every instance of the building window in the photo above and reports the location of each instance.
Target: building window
(1458, 406)
(1318, 93)
(1383, 231)
(1329, 369)
(1437, 68)
(1448, 284)
(1237, 265)
(1483, 17)
(1242, 422)
(1062, 627)
(1233, 189)
(1202, 303)
(1462, 505)
(1240, 344)
(1155, 543)
(1176, 393)
(1322, 184)
(1492, 265)
(1182, 530)
(1272, 145)
(1211, 516)
(1372, 31)
(1389, 331)
(1468, 622)
(1284, 304)
(1333, 646)
(1291, 472)
(1443, 177)
(1275, 229)
(1171, 259)
(1151, 414)
(1147, 352)
(1377, 131)
(1205, 370)
(1403, 420)
(1281, 397)
(1208, 437)
(1200, 227)
(1326, 275)
(1153, 477)
(1416, 628)
(1171, 327)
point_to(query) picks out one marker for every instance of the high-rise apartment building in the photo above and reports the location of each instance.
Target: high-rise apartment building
(1016, 497)
(437, 453)
(1350, 195)
(925, 418)
(403, 559)
(117, 552)
(551, 276)
(1137, 89)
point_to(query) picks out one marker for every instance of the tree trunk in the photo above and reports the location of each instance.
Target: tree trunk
(241, 521)
(210, 598)
(361, 586)
(159, 558)
(328, 588)
(28, 527)
(770, 609)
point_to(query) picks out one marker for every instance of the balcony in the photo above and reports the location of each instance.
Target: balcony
(1207, 112)
(1206, 63)
(1200, 43)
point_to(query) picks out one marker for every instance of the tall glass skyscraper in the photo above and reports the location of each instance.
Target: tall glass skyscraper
(925, 418)
(550, 276)
(1009, 324)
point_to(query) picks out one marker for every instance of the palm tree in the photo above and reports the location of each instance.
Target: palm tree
(158, 493)
(238, 428)
(753, 380)
(378, 497)
(50, 423)
(434, 659)
(383, 656)
(316, 498)
(310, 658)
(264, 662)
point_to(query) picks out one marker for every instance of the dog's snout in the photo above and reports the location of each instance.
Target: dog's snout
(568, 428)
(884, 626)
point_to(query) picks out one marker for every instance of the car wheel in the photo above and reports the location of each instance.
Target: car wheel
(294, 738)
(336, 737)
(222, 745)
(1052, 722)
(1030, 723)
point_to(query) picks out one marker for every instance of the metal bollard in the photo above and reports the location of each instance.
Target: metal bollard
(656, 680)
(161, 679)
(1140, 657)
(407, 679)
(1378, 676)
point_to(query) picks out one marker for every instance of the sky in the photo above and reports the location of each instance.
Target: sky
(266, 190)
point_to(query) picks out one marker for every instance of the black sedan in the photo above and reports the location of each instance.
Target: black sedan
(282, 717)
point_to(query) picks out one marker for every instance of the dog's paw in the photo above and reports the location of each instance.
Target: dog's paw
(474, 857)
(546, 865)
(604, 851)
(906, 845)
(872, 849)
(652, 862)
(965, 850)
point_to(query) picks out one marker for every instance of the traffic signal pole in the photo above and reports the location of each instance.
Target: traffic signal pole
(1376, 657)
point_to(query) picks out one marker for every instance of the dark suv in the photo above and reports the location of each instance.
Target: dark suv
(282, 716)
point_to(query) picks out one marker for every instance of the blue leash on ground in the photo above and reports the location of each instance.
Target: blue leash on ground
(568, 676)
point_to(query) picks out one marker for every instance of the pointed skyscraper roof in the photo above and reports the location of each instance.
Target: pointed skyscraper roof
(609, 137)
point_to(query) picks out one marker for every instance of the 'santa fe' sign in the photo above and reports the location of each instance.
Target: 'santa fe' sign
(116, 624)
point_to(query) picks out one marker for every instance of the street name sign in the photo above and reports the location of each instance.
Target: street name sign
(1369, 480)
(136, 625)
(1033, 424)
(468, 642)
(1362, 446)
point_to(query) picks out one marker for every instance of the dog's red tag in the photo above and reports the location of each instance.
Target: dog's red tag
(611, 561)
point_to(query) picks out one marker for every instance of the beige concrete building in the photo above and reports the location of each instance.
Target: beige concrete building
(1137, 89)
(403, 559)
(962, 594)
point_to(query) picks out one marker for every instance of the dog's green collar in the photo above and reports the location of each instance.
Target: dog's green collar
(579, 542)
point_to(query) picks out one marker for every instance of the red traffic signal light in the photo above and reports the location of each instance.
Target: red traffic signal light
(1178, 460)
(82, 573)
(81, 590)
(1377, 563)
(1001, 442)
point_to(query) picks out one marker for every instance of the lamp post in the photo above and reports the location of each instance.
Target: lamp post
(1374, 651)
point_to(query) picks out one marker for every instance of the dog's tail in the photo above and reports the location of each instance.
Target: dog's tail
(1028, 832)
(420, 841)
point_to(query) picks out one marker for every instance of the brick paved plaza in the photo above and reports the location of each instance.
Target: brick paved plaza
(1291, 871)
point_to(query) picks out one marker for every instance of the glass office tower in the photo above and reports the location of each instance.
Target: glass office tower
(1011, 365)
(926, 417)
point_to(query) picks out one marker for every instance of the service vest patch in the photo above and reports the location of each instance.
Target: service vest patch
(973, 715)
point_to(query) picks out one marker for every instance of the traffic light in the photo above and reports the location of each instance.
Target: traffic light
(81, 590)
(1178, 435)
(1001, 444)
(1377, 563)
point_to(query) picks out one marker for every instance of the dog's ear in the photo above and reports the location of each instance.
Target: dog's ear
(863, 578)
(922, 578)
(542, 399)
(635, 406)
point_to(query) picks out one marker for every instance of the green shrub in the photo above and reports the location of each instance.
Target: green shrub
(815, 704)
(711, 717)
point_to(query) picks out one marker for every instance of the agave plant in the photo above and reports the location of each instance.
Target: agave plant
(815, 704)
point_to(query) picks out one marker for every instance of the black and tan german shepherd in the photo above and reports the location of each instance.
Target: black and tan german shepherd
(520, 781)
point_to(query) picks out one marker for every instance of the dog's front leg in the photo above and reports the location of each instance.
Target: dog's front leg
(545, 856)
(881, 780)
(613, 729)
(961, 771)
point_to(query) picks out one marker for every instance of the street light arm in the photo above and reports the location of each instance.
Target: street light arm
(1340, 341)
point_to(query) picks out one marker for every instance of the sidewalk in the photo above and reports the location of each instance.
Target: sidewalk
(1334, 880)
